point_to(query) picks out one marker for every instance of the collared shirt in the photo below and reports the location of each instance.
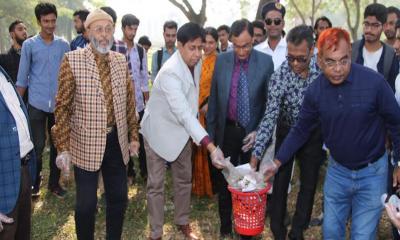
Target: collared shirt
(286, 93)
(103, 64)
(14, 105)
(120, 46)
(39, 66)
(354, 117)
(139, 77)
(228, 48)
(278, 55)
(232, 102)
(154, 65)
(79, 42)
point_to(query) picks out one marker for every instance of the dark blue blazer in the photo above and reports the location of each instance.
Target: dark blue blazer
(10, 161)
(259, 72)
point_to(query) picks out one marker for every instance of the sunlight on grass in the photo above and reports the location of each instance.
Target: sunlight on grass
(53, 218)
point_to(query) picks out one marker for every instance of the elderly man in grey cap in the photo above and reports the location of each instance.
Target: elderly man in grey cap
(96, 127)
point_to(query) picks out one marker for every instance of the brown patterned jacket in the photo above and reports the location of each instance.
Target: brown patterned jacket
(81, 113)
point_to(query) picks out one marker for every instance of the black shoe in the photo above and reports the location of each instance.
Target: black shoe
(287, 221)
(293, 236)
(58, 192)
(131, 180)
(35, 192)
(225, 236)
(317, 221)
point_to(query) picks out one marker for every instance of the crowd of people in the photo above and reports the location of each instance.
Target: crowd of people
(310, 94)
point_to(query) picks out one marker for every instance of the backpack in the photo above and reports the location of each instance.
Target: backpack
(387, 58)
(141, 53)
(159, 58)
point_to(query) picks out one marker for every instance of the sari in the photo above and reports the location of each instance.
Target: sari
(201, 183)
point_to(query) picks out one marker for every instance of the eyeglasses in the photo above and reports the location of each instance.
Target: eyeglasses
(371, 25)
(276, 21)
(333, 64)
(300, 59)
(244, 47)
(100, 29)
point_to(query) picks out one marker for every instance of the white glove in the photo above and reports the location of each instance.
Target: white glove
(134, 149)
(268, 168)
(63, 162)
(217, 158)
(249, 141)
(393, 214)
(4, 219)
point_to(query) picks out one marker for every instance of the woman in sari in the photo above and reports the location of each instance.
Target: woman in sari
(202, 185)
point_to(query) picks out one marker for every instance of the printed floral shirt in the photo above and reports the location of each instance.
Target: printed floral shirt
(285, 96)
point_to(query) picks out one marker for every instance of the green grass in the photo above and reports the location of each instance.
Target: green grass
(53, 218)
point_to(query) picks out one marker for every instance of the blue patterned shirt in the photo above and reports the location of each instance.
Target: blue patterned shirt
(286, 93)
(79, 42)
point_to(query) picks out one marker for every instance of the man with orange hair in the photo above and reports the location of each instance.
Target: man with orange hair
(355, 106)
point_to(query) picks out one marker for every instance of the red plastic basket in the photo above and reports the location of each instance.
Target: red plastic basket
(249, 210)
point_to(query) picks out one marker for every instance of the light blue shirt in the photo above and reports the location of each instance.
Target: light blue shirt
(154, 65)
(139, 77)
(39, 67)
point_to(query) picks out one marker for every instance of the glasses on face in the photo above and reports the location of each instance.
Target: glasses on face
(276, 21)
(371, 25)
(333, 63)
(300, 59)
(246, 47)
(100, 29)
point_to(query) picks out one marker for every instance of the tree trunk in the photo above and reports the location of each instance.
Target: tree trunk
(187, 9)
(353, 28)
(261, 3)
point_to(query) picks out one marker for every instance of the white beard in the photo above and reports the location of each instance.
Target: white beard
(102, 50)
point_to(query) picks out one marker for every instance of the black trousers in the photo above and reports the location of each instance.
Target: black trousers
(116, 192)
(20, 229)
(310, 157)
(39, 120)
(233, 142)
(142, 156)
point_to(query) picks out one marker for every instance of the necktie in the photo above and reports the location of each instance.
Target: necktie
(243, 107)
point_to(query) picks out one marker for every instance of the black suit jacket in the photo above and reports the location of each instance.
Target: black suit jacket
(260, 70)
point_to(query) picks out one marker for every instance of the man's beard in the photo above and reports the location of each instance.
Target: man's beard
(20, 41)
(80, 30)
(102, 50)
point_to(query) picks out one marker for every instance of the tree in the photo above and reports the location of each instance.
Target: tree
(305, 11)
(353, 6)
(261, 3)
(244, 8)
(187, 9)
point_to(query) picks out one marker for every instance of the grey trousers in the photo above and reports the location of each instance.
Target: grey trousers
(182, 187)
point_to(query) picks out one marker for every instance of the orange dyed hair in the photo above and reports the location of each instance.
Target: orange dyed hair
(330, 38)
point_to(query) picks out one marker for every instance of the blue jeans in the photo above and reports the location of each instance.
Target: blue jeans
(356, 192)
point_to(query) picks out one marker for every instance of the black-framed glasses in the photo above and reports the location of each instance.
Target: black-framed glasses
(276, 21)
(300, 59)
(374, 25)
(245, 47)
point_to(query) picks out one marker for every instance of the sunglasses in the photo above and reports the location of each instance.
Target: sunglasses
(276, 21)
(291, 59)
